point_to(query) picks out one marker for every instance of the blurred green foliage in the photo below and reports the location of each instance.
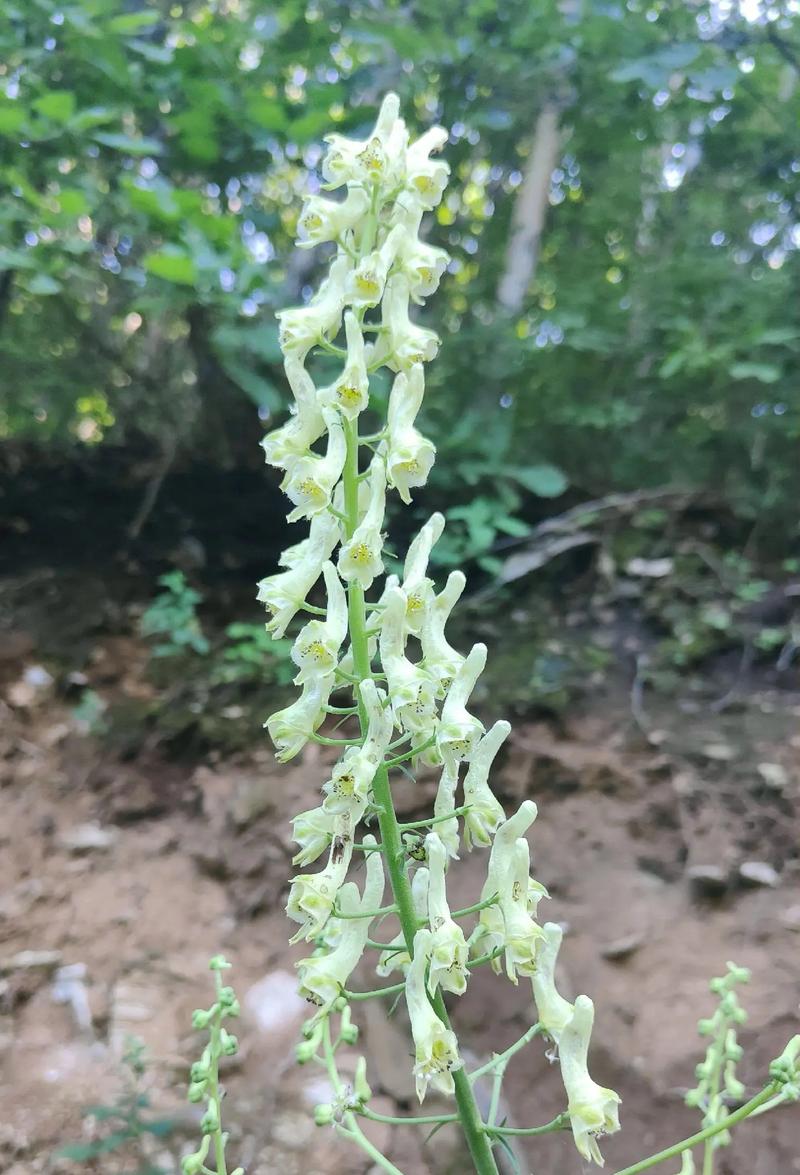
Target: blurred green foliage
(153, 164)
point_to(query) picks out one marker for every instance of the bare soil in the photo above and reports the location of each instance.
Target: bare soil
(665, 855)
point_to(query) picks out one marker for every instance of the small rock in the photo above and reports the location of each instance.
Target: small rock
(622, 948)
(274, 1003)
(759, 873)
(790, 918)
(31, 961)
(252, 797)
(87, 838)
(707, 881)
(650, 568)
(719, 752)
(774, 775)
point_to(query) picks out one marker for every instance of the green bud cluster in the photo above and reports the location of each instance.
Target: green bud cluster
(204, 1074)
(717, 1081)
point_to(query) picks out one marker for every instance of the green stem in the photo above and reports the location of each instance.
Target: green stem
(479, 1145)
(407, 826)
(216, 1097)
(430, 1120)
(679, 1147)
(500, 1060)
(558, 1123)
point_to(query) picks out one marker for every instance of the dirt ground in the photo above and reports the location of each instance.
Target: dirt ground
(121, 873)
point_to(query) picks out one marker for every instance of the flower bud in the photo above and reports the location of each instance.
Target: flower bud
(201, 1018)
(197, 1091)
(209, 1123)
(324, 1114)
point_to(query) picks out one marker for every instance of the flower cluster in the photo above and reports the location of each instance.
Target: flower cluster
(379, 676)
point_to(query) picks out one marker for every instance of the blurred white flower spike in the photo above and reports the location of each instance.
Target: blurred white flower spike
(381, 686)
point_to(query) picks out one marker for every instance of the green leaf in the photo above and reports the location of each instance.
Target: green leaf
(43, 284)
(128, 143)
(544, 480)
(12, 117)
(133, 22)
(57, 104)
(73, 202)
(173, 264)
(765, 373)
(267, 113)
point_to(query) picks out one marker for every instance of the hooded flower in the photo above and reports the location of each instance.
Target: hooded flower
(328, 220)
(440, 659)
(284, 593)
(521, 935)
(458, 731)
(312, 895)
(410, 686)
(366, 283)
(350, 392)
(312, 830)
(291, 728)
(422, 264)
(593, 1110)
(416, 584)
(426, 177)
(360, 557)
(370, 161)
(435, 1045)
(409, 455)
(489, 934)
(401, 343)
(310, 481)
(347, 790)
(292, 440)
(396, 956)
(448, 947)
(316, 649)
(485, 810)
(323, 976)
(443, 805)
(553, 1010)
(303, 327)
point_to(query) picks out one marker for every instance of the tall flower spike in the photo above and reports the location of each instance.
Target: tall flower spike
(448, 959)
(435, 1045)
(285, 592)
(360, 557)
(459, 731)
(485, 813)
(316, 649)
(441, 660)
(410, 687)
(409, 455)
(416, 584)
(593, 1110)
